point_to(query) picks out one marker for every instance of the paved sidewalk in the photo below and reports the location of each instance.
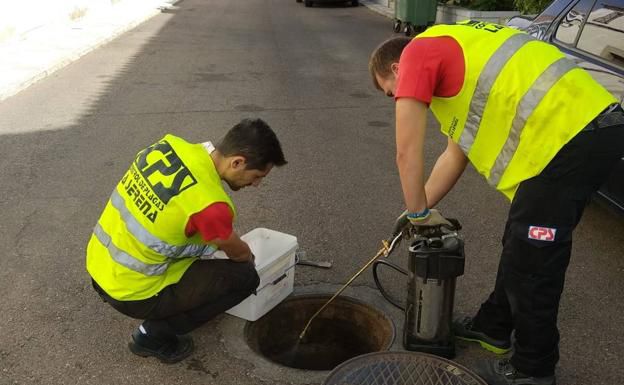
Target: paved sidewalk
(379, 8)
(39, 53)
(45, 50)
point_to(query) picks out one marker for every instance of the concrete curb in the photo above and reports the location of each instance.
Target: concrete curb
(20, 85)
(379, 8)
(44, 52)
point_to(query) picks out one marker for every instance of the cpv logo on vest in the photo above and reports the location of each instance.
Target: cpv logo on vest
(157, 175)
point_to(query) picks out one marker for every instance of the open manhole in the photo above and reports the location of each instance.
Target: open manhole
(345, 329)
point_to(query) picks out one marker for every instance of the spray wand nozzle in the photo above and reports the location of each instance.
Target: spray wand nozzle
(387, 248)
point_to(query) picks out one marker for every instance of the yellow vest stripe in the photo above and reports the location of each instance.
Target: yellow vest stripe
(148, 240)
(126, 259)
(484, 85)
(525, 108)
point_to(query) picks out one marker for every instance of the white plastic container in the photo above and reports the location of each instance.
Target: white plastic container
(275, 263)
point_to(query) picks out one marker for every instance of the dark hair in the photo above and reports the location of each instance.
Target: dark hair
(384, 55)
(254, 140)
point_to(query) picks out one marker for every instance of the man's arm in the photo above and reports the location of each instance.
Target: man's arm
(235, 248)
(447, 170)
(214, 223)
(411, 123)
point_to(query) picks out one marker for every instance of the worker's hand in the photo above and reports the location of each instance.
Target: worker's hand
(400, 224)
(239, 258)
(235, 248)
(432, 219)
(248, 258)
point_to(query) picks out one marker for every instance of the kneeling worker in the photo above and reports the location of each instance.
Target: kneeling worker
(150, 253)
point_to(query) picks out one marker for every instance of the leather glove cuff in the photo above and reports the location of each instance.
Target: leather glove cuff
(418, 217)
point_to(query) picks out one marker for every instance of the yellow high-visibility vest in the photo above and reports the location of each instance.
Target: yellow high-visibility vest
(139, 246)
(522, 100)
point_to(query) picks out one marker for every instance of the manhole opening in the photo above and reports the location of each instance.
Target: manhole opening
(345, 329)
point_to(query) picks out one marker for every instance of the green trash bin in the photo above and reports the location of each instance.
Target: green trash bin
(414, 16)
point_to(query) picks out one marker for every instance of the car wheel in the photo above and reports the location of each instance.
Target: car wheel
(307, 3)
(355, 3)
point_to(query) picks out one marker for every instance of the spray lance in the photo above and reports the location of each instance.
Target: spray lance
(387, 247)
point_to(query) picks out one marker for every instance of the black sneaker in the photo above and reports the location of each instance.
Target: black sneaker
(464, 330)
(169, 352)
(501, 372)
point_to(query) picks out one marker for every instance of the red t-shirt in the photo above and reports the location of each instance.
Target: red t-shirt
(215, 221)
(430, 66)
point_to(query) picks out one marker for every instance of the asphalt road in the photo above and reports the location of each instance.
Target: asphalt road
(195, 72)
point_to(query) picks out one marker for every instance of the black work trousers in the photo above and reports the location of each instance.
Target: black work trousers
(531, 272)
(207, 288)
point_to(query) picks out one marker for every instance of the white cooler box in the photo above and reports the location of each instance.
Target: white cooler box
(275, 263)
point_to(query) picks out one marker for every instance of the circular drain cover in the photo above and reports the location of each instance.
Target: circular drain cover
(401, 368)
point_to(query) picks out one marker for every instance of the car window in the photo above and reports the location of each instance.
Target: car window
(570, 26)
(603, 33)
(595, 27)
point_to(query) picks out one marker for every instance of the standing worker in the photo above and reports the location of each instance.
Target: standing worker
(540, 130)
(149, 255)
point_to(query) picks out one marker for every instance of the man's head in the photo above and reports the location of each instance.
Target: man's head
(247, 153)
(384, 64)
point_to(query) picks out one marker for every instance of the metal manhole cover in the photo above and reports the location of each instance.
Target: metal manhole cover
(401, 368)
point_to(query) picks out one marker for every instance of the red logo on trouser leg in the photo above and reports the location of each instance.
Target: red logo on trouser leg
(542, 233)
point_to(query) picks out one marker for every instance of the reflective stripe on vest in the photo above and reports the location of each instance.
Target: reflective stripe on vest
(126, 259)
(527, 104)
(484, 85)
(153, 243)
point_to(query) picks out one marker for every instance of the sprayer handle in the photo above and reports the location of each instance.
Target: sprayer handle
(455, 223)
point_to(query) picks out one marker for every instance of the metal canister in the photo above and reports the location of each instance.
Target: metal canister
(435, 262)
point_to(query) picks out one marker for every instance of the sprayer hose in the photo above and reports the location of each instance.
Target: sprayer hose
(383, 292)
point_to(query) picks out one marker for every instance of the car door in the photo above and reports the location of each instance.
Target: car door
(591, 32)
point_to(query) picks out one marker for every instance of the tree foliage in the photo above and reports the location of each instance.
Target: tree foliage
(523, 6)
(531, 7)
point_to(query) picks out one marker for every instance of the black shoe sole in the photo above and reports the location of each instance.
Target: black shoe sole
(487, 343)
(143, 352)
